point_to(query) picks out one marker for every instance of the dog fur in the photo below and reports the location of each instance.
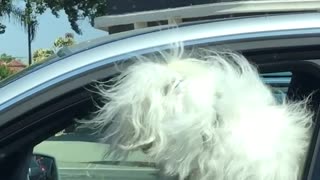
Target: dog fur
(204, 116)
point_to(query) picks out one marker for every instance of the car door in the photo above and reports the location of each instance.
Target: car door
(38, 117)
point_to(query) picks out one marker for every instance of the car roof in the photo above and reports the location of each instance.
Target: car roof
(108, 50)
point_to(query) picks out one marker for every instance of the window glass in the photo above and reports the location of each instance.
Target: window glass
(279, 83)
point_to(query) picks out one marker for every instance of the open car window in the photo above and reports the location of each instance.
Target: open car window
(80, 154)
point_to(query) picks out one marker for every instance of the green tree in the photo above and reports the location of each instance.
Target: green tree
(31, 25)
(27, 18)
(67, 40)
(4, 72)
(10, 11)
(2, 28)
(41, 55)
(81, 9)
(75, 9)
(6, 58)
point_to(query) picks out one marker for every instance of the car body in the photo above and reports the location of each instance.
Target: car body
(42, 100)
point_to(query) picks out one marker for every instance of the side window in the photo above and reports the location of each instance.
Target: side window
(80, 155)
(279, 83)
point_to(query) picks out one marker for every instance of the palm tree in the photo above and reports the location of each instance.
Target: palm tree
(31, 26)
(7, 9)
(4, 11)
(24, 18)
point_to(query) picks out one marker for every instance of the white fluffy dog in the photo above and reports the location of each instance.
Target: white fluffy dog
(207, 116)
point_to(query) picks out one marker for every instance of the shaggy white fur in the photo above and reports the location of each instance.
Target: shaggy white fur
(205, 117)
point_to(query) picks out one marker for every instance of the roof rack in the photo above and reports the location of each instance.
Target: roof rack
(130, 21)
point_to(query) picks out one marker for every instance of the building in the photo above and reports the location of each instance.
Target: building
(134, 14)
(14, 65)
(127, 15)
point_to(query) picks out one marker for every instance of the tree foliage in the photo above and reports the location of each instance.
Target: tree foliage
(5, 7)
(84, 9)
(75, 10)
(30, 20)
(6, 58)
(44, 53)
(2, 28)
(61, 42)
(9, 10)
(4, 72)
(81, 9)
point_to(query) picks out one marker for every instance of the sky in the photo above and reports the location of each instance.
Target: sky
(14, 40)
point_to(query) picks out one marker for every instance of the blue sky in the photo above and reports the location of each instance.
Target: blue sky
(14, 41)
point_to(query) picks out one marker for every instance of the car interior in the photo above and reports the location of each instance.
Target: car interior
(20, 136)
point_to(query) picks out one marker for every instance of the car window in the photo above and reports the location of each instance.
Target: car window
(34, 163)
(279, 83)
(80, 154)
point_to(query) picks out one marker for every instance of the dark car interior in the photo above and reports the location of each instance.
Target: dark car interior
(18, 137)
